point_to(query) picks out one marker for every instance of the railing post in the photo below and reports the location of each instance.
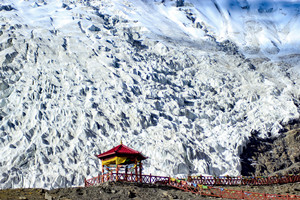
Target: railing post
(169, 181)
(85, 182)
(150, 178)
(200, 190)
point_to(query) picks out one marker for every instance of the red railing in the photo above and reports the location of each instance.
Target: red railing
(127, 178)
(232, 194)
(242, 180)
(203, 185)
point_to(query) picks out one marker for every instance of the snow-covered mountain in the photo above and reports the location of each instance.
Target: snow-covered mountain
(186, 83)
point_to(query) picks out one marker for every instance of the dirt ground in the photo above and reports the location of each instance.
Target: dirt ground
(291, 188)
(122, 191)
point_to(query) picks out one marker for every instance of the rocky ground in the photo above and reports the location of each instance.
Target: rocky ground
(129, 191)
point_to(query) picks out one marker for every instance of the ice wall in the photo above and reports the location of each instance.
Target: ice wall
(79, 76)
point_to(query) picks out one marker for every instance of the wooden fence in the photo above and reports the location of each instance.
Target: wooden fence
(243, 180)
(204, 185)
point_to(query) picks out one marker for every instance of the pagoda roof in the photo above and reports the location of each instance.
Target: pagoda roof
(121, 150)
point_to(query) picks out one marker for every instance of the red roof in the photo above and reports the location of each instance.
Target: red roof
(121, 150)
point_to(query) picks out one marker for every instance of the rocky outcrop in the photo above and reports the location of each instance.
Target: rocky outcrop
(277, 156)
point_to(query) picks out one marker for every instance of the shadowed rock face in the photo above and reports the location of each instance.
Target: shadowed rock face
(281, 155)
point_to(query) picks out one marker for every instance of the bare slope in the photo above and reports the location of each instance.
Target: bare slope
(129, 191)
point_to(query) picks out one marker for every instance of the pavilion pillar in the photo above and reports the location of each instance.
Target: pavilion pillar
(102, 177)
(136, 171)
(111, 175)
(117, 172)
(140, 171)
(126, 172)
(108, 175)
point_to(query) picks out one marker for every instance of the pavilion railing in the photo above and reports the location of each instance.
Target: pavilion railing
(127, 178)
(204, 185)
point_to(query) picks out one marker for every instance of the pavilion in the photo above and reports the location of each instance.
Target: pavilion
(120, 157)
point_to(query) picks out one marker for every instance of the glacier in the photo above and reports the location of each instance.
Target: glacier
(185, 85)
